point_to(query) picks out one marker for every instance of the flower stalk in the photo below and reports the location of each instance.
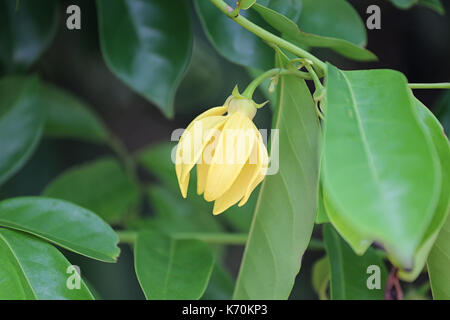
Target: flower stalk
(249, 91)
(442, 85)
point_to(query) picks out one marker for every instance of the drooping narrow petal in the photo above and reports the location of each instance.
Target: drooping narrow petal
(202, 174)
(216, 111)
(260, 173)
(237, 189)
(190, 147)
(231, 154)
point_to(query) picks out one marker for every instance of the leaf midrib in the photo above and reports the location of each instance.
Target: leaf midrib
(365, 142)
(170, 264)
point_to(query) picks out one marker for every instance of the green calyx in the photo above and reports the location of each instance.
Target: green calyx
(238, 102)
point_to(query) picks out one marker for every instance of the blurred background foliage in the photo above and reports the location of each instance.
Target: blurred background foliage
(119, 124)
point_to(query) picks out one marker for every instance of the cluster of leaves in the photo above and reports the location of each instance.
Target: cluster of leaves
(374, 131)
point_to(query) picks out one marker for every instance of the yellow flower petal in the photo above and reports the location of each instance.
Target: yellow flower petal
(191, 145)
(202, 174)
(184, 184)
(231, 154)
(237, 190)
(260, 173)
(216, 111)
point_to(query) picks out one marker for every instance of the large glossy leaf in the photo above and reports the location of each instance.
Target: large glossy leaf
(62, 223)
(287, 203)
(434, 129)
(33, 269)
(357, 240)
(349, 272)
(21, 122)
(231, 40)
(289, 8)
(323, 18)
(101, 186)
(26, 30)
(68, 117)
(380, 170)
(147, 44)
(323, 34)
(438, 262)
(172, 269)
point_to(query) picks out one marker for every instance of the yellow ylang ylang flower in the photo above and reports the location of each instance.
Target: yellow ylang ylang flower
(228, 150)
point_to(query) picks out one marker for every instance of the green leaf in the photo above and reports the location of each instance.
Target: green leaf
(321, 277)
(170, 269)
(220, 285)
(289, 8)
(147, 44)
(33, 269)
(25, 32)
(304, 36)
(433, 129)
(101, 186)
(21, 122)
(438, 262)
(351, 274)
(231, 40)
(286, 208)
(322, 215)
(380, 171)
(324, 18)
(246, 4)
(60, 222)
(68, 117)
(353, 236)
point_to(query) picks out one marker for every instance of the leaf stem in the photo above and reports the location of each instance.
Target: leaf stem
(248, 92)
(442, 85)
(314, 76)
(215, 238)
(211, 238)
(266, 35)
(127, 236)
